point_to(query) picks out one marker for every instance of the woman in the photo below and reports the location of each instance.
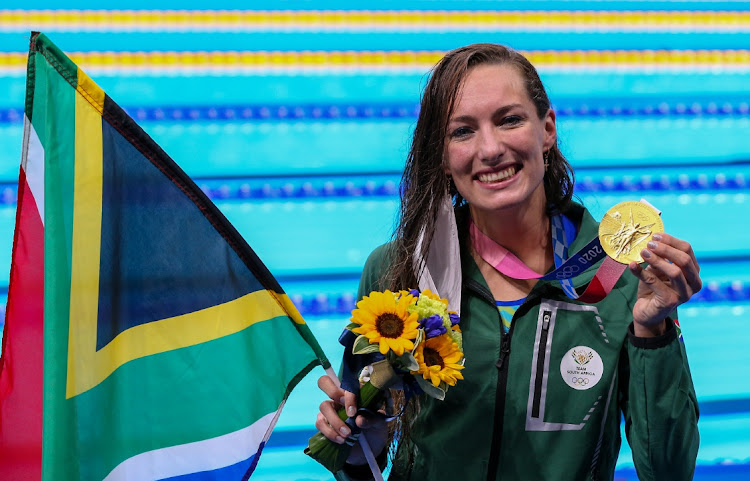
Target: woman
(546, 377)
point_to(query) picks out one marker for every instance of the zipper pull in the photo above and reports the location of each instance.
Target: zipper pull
(504, 351)
(545, 320)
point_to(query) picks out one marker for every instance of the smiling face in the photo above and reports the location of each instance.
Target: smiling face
(495, 142)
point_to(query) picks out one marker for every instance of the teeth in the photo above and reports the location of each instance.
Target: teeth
(498, 176)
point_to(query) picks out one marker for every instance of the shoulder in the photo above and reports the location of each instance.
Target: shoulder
(580, 216)
(380, 258)
(375, 267)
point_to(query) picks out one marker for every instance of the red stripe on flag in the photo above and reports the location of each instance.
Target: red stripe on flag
(22, 362)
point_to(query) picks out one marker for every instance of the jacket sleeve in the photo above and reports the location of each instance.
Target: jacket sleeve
(660, 406)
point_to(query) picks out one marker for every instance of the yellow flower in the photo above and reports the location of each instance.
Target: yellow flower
(428, 293)
(385, 321)
(438, 360)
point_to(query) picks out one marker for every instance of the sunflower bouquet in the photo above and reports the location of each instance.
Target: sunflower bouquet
(405, 340)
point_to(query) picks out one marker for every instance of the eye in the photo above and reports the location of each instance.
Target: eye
(511, 120)
(460, 132)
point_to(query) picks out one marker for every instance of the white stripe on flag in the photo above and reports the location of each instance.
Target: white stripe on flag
(208, 455)
(32, 162)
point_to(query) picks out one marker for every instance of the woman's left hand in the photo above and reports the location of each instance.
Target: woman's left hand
(670, 279)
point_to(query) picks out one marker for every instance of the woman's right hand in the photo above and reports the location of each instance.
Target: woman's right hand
(336, 430)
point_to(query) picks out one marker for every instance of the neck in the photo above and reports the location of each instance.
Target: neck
(523, 230)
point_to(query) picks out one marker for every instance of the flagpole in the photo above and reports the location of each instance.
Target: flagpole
(362, 439)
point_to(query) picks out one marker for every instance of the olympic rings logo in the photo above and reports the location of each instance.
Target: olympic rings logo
(579, 381)
(568, 272)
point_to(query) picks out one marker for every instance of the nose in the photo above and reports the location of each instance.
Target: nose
(490, 146)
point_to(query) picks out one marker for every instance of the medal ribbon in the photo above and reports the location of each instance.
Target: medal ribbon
(508, 264)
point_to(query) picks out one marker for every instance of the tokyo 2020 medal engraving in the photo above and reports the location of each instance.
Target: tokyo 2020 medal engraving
(626, 229)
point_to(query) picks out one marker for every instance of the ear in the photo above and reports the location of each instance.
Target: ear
(550, 130)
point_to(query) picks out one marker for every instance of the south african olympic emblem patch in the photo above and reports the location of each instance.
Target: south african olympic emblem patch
(581, 368)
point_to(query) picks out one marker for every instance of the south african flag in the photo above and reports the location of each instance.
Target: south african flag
(144, 339)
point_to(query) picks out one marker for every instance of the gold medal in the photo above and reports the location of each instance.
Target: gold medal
(626, 229)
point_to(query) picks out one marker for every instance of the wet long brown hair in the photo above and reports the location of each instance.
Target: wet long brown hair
(424, 182)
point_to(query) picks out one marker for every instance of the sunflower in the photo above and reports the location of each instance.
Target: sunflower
(438, 360)
(383, 319)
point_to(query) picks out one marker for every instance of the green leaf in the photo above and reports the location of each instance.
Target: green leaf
(429, 389)
(331, 455)
(420, 337)
(407, 362)
(352, 325)
(362, 346)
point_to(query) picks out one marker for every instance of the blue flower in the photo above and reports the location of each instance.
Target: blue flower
(454, 318)
(433, 326)
(414, 292)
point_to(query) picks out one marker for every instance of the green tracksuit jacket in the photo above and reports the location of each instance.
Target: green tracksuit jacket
(543, 402)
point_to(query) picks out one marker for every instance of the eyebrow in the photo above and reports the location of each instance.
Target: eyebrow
(501, 111)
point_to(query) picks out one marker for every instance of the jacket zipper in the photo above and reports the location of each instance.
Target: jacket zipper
(502, 369)
(502, 381)
(541, 355)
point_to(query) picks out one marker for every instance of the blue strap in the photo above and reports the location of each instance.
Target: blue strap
(563, 233)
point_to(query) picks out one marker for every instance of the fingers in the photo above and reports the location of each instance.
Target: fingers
(668, 298)
(665, 279)
(669, 249)
(677, 244)
(330, 425)
(350, 401)
(328, 421)
(670, 279)
(342, 397)
(334, 392)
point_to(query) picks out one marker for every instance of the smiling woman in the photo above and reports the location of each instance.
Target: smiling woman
(496, 142)
(494, 150)
(486, 199)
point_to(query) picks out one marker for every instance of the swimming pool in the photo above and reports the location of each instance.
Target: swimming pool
(305, 159)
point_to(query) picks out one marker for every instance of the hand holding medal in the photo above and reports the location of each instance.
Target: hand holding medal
(631, 233)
